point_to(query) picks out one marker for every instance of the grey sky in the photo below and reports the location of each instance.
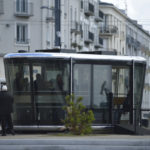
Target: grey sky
(136, 9)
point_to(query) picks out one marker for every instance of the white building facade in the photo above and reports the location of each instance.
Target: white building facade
(45, 24)
(113, 28)
(137, 44)
(80, 25)
(23, 26)
(129, 38)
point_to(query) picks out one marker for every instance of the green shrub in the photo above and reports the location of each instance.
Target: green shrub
(77, 120)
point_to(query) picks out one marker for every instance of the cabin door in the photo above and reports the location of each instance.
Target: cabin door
(93, 83)
(50, 87)
(122, 95)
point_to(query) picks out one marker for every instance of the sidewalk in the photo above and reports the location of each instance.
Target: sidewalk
(62, 136)
(51, 141)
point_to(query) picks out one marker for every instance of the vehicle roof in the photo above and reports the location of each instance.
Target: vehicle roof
(76, 56)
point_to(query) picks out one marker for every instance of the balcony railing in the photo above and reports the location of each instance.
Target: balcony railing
(88, 37)
(1, 6)
(23, 9)
(76, 27)
(133, 42)
(88, 8)
(74, 44)
(108, 30)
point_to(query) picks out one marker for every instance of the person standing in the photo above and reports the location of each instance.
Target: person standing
(6, 108)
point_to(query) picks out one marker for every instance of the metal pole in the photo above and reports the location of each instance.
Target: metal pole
(135, 120)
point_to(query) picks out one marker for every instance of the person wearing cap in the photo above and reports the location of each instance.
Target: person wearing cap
(6, 108)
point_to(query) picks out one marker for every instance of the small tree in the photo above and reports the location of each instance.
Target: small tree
(77, 120)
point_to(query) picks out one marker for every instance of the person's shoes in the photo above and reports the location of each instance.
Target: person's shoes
(12, 132)
(3, 134)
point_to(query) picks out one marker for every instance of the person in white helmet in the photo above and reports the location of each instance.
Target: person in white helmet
(6, 108)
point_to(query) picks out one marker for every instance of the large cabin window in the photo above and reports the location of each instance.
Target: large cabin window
(38, 86)
(101, 85)
(82, 82)
(51, 77)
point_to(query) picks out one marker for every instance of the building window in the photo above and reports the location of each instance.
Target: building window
(22, 34)
(22, 6)
(1, 6)
(81, 4)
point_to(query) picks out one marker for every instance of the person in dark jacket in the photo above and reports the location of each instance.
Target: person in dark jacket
(6, 108)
